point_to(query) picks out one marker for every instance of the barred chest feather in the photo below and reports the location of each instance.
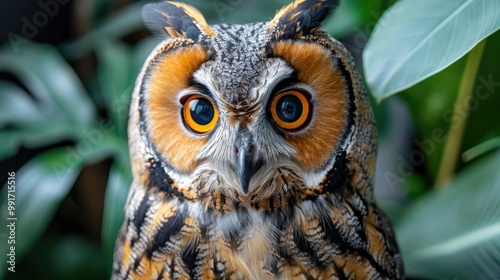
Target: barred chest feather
(312, 239)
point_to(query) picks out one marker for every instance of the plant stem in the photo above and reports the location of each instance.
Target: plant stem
(459, 120)
(481, 149)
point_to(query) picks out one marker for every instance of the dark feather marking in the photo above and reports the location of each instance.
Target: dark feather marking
(141, 212)
(283, 218)
(305, 246)
(357, 213)
(160, 274)
(189, 256)
(303, 20)
(339, 272)
(347, 248)
(334, 236)
(335, 178)
(350, 89)
(271, 204)
(171, 227)
(215, 270)
(379, 268)
(271, 265)
(234, 234)
(222, 201)
(172, 268)
(158, 16)
(137, 261)
(158, 178)
(127, 274)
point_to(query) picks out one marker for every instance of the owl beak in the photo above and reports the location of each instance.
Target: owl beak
(246, 163)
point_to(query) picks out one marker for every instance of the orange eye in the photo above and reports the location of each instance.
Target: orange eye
(200, 114)
(290, 109)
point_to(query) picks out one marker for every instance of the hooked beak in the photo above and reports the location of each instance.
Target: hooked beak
(246, 162)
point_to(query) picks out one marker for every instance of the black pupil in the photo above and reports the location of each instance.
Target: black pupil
(289, 108)
(202, 111)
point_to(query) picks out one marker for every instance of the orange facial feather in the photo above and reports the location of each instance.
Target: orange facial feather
(169, 77)
(314, 67)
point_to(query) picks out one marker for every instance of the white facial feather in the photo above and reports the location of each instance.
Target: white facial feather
(269, 144)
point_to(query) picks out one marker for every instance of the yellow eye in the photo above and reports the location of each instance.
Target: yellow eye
(200, 114)
(290, 110)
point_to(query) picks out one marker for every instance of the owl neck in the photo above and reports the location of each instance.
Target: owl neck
(285, 188)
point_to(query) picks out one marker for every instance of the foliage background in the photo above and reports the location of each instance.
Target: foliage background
(65, 86)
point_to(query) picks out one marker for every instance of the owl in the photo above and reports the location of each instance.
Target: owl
(253, 152)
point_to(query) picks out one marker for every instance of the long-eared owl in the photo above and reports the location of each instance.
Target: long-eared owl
(253, 152)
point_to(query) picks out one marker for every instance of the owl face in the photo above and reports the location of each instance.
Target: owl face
(231, 108)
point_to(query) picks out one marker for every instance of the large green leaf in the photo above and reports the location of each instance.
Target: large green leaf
(126, 21)
(116, 77)
(55, 106)
(455, 233)
(16, 105)
(40, 186)
(26, 122)
(119, 182)
(416, 39)
(46, 75)
(60, 256)
(45, 181)
(9, 144)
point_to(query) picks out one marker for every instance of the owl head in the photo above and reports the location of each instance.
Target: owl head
(258, 115)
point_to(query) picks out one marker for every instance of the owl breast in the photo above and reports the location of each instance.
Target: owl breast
(182, 240)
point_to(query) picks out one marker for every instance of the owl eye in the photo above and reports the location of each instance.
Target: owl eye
(200, 114)
(290, 110)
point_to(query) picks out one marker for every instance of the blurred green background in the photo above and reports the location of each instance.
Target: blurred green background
(67, 69)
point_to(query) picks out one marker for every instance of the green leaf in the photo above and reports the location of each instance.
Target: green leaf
(455, 233)
(40, 186)
(126, 21)
(114, 69)
(59, 255)
(45, 181)
(119, 182)
(16, 105)
(416, 39)
(34, 135)
(26, 123)
(46, 75)
(116, 77)
(9, 144)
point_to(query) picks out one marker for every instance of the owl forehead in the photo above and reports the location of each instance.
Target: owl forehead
(239, 64)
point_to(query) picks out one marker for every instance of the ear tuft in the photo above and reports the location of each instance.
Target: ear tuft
(176, 20)
(299, 18)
